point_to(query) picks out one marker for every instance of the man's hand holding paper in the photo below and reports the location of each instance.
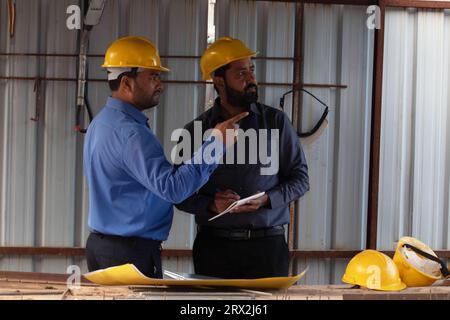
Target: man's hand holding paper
(252, 205)
(224, 200)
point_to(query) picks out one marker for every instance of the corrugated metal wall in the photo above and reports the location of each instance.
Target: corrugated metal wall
(43, 194)
(39, 157)
(269, 29)
(42, 160)
(338, 49)
(415, 138)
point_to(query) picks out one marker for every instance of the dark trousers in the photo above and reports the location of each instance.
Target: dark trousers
(104, 251)
(241, 259)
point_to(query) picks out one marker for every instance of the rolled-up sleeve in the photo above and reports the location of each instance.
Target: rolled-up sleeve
(293, 167)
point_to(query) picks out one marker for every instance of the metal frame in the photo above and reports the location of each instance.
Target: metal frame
(80, 252)
(420, 4)
(287, 84)
(372, 219)
(374, 167)
(346, 2)
(296, 121)
(70, 55)
(375, 134)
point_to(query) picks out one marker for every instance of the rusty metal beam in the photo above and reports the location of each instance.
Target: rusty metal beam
(72, 251)
(295, 85)
(298, 68)
(50, 251)
(296, 122)
(70, 55)
(421, 4)
(75, 251)
(346, 254)
(374, 169)
(347, 2)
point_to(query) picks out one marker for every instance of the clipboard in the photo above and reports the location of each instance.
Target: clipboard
(237, 204)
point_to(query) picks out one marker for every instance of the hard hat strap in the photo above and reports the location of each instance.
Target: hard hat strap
(444, 269)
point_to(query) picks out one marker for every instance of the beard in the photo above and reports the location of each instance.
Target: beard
(145, 100)
(242, 99)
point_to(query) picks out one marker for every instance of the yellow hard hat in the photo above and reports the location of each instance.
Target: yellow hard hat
(133, 52)
(222, 52)
(374, 270)
(415, 269)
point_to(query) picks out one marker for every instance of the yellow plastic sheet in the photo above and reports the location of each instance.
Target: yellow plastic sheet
(128, 274)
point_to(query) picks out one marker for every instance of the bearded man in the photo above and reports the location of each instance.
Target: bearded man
(249, 242)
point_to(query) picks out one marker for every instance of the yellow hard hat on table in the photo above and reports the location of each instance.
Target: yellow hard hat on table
(418, 265)
(373, 270)
(222, 52)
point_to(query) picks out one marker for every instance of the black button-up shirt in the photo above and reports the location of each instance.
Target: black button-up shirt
(288, 184)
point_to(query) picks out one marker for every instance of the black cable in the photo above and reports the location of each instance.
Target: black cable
(321, 120)
(86, 103)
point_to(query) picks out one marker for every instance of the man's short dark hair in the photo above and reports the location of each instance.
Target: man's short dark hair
(115, 84)
(221, 73)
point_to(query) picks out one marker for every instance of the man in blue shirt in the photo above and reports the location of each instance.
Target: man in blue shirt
(250, 241)
(131, 184)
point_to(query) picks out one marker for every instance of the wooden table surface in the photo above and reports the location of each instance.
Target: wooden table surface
(36, 286)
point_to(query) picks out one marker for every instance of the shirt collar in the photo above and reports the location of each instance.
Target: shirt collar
(128, 109)
(217, 109)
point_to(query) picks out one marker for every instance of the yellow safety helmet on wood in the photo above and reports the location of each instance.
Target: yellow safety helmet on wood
(415, 269)
(222, 52)
(133, 52)
(374, 270)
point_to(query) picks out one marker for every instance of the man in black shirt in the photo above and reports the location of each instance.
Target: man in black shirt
(249, 242)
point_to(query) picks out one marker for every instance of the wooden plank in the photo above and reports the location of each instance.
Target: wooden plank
(42, 291)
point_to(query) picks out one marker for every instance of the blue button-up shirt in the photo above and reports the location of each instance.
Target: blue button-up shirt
(131, 184)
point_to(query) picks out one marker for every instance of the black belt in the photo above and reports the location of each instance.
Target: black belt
(126, 239)
(242, 234)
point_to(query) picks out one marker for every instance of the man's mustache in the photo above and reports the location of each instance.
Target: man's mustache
(251, 85)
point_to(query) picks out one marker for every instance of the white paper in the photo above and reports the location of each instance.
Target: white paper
(187, 276)
(237, 204)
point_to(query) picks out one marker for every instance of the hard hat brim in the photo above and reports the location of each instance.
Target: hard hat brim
(208, 76)
(163, 69)
(393, 287)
